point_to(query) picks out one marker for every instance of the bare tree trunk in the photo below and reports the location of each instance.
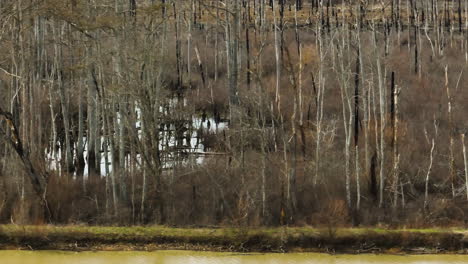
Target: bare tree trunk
(264, 172)
(396, 154)
(465, 161)
(63, 98)
(122, 146)
(376, 156)
(348, 119)
(382, 128)
(98, 127)
(232, 45)
(112, 131)
(216, 59)
(92, 122)
(189, 42)
(428, 174)
(301, 112)
(357, 76)
(38, 179)
(80, 144)
(277, 60)
(53, 139)
(319, 104)
(293, 170)
(450, 128)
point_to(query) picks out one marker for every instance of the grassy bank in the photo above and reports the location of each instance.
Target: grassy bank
(298, 239)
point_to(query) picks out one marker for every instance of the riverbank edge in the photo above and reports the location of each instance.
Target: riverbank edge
(279, 240)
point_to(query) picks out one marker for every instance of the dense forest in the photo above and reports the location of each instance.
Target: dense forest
(234, 112)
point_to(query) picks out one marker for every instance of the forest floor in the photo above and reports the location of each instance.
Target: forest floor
(280, 239)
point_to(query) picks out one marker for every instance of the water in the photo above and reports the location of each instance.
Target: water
(189, 257)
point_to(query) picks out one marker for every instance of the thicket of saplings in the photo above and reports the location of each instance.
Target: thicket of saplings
(337, 114)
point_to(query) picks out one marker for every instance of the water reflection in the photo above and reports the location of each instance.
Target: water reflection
(188, 257)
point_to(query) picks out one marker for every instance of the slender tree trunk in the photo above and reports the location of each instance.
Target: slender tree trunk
(90, 135)
(80, 144)
(426, 192)
(465, 161)
(348, 119)
(450, 128)
(357, 123)
(216, 59)
(53, 139)
(319, 104)
(277, 60)
(396, 154)
(382, 131)
(189, 42)
(38, 179)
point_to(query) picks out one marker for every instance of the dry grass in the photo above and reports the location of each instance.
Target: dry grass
(230, 239)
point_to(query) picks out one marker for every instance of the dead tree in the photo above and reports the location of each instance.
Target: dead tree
(38, 179)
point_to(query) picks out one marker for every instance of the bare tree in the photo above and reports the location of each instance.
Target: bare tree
(428, 173)
(465, 161)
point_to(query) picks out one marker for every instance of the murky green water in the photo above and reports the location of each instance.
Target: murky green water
(189, 257)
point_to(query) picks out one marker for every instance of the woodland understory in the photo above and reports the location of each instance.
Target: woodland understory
(234, 113)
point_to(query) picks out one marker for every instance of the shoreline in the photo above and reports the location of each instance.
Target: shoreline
(261, 240)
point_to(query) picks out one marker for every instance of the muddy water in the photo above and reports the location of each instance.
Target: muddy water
(189, 257)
